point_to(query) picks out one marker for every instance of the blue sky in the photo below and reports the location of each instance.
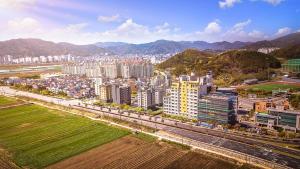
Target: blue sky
(139, 21)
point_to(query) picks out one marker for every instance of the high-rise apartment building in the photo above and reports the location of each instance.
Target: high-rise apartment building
(121, 94)
(183, 96)
(98, 82)
(105, 93)
(159, 94)
(146, 97)
(111, 70)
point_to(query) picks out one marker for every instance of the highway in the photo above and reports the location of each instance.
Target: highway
(207, 136)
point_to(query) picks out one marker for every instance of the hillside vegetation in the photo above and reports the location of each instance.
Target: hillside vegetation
(290, 52)
(281, 42)
(190, 60)
(228, 68)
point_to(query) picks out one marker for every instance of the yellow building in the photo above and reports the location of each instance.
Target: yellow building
(105, 93)
(182, 98)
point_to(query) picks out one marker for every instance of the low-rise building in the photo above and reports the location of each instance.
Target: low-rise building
(286, 119)
(218, 108)
(262, 106)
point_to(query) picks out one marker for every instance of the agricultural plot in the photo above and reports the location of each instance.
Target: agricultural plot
(6, 101)
(133, 153)
(6, 161)
(37, 137)
(126, 153)
(195, 160)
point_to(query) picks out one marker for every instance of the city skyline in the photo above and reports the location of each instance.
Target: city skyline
(85, 22)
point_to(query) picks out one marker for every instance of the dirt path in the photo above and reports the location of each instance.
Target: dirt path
(13, 105)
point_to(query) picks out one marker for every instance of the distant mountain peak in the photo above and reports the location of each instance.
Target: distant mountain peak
(163, 46)
(37, 47)
(281, 42)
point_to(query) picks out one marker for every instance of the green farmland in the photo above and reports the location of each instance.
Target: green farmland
(6, 101)
(37, 136)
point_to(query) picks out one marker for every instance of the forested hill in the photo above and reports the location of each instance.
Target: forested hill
(228, 68)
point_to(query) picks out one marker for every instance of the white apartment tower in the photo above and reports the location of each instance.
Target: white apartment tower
(146, 98)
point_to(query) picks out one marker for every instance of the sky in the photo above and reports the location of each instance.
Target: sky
(141, 21)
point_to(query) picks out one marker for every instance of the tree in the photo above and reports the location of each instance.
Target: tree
(45, 92)
(294, 99)
(138, 109)
(114, 105)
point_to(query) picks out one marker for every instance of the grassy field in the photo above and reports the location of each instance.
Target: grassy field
(6, 101)
(273, 86)
(37, 136)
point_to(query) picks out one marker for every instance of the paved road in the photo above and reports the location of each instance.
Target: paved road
(203, 135)
(253, 150)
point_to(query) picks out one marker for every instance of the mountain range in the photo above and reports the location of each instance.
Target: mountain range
(38, 47)
(281, 42)
(166, 46)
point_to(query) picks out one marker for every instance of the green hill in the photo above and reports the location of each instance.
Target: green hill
(228, 68)
(281, 42)
(190, 60)
(290, 52)
(243, 62)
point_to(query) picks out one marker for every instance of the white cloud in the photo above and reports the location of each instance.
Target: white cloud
(13, 4)
(25, 24)
(238, 33)
(112, 18)
(210, 33)
(238, 27)
(274, 2)
(176, 29)
(228, 3)
(283, 31)
(212, 27)
(164, 28)
(129, 31)
(255, 34)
